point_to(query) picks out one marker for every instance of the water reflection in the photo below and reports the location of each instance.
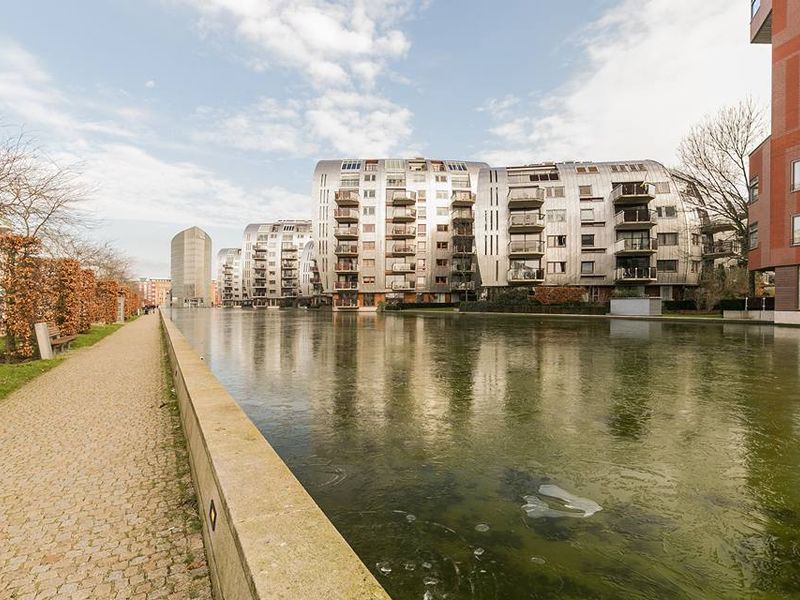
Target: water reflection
(422, 438)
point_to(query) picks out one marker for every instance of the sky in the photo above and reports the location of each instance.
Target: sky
(214, 112)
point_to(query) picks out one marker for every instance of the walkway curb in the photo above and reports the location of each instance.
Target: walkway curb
(265, 537)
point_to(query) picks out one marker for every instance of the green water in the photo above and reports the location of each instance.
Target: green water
(423, 437)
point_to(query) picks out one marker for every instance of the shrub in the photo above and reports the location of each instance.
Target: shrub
(559, 295)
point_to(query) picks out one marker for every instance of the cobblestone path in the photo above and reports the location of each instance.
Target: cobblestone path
(96, 498)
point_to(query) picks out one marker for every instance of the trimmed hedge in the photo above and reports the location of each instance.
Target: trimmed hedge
(752, 303)
(679, 305)
(419, 305)
(535, 308)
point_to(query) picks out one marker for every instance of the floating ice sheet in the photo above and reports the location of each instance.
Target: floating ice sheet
(574, 506)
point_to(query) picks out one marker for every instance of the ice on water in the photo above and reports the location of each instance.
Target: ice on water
(537, 507)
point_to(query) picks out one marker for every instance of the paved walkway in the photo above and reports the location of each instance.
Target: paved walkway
(96, 498)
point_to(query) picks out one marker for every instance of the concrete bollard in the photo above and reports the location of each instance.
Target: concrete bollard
(43, 339)
(120, 308)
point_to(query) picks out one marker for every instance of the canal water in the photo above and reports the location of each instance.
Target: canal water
(470, 456)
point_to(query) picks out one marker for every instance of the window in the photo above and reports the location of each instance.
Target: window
(667, 239)
(441, 280)
(369, 177)
(442, 211)
(351, 165)
(441, 195)
(369, 211)
(456, 166)
(369, 227)
(369, 194)
(584, 191)
(589, 169)
(441, 262)
(459, 181)
(587, 214)
(557, 267)
(421, 196)
(556, 241)
(754, 6)
(753, 235)
(667, 212)
(422, 246)
(796, 230)
(587, 240)
(418, 177)
(395, 164)
(556, 216)
(395, 181)
(796, 176)
(368, 263)
(667, 266)
(368, 280)
(420, 264)
(422, 213)
(555, 192)
(695, 239)
(350, 181)
(587, 267)
(752, 190)
(369, 246)
(442, 227)
(695, 266)
(422, 229)
(662, 187)
(441, 245)
(441, 178)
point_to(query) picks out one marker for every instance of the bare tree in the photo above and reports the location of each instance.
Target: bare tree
(103, 258)
(38, 198)
(715, 156)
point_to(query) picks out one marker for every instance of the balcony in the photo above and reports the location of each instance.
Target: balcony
(635, 274)
(462, 215)
(633, 193)
(346, 215)
(462, 286)
(403, 268)
(460, 250)
(636, 247)
(346, 233)
(712, 226)
(525, 276)
(634, 218)
(402, 286)
(401, 232)
(521, 198)
(463, 232)
(345, 285)
(526, 249)
(346, 250)
(346, 304)
(401, 198)
(402, 215)
(466, 267)
(346, 267)
(288, 247)
(462, 199)
(526, 222)
(402, 250)
(347, 198)
(721, 249)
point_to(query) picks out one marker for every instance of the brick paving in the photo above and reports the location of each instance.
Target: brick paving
(96, 498)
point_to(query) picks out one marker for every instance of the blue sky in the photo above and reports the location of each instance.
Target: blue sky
(213, 112)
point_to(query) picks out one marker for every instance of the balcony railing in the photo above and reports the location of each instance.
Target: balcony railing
(463, 232)
(400, 215)
(636, 246)
(401, 197)
(525, 276)
(346, 267)
(346, 249)
(633, 192)
(463, 249)
(633, 218)
(346, 303)
(288, 247)
(463, 267)
(346, 233)
(401, 232)
(526, 247)
(462, 286)
(462, 198)
(721, 249)
(712, 226)
(462, 214)
(345, 285)
(347, 198)
(636, 274)
(403, 268)
(526, 221)
(525, 197)
(400, 286)
(403, 249)
(346, 215)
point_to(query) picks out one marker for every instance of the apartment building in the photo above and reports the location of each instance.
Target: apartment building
(271, 254)
(309, 274)
(229, 277)
(190, 267)
(155, 291)
(395, 229)
(775, 164)
(595, 225)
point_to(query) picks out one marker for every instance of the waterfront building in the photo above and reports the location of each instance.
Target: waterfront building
(596, 225)
(229, 277)
(155, 291)
(190, 267)
(271, 262)
(395, 229)
(309, 274)
(775, 164)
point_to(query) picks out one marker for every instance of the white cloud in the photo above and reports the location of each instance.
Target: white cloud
(150, 84)
(652, 69)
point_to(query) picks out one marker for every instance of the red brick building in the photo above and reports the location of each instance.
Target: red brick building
(775, 164)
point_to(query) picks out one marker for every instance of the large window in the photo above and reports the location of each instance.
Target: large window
(796, 230)
(587, 267)
(796, 176)
(753, 235)
(667, 266)
(587, 240)
(556, 241)
(556, 216)
(754, 6)
(667, 239)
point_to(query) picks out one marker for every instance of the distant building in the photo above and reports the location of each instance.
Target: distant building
(190, 267)
(271, 262)
(775, 164)
(229, 277)
(155, 291)
(395, 229)
(309, 274)
(214, 293)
